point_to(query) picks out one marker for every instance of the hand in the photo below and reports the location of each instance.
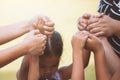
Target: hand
(35, 42)
(83, 21)
(87, 19)
(93, 43)
(44, 24)
(105, 26)
(79, 40)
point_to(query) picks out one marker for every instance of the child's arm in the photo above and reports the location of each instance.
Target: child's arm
(22, 73)
(29, 69)
(100, 65)
(65, 72)
(78, 66)
(33, 68)
(96, 46)
(78, 44)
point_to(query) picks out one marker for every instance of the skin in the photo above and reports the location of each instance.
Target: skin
(78, 38)
(23, 47)
(88, 40)
(110, 55)
(48, 65)
(30, 43)
(48, 62)
(45, 67)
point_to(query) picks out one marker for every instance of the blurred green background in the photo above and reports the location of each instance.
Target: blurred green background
(63, 12)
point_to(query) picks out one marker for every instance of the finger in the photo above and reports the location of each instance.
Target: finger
(36, 32)
(83, 23)
(100, 15)
(86, 15)
(99, 34)
(50, 24)
(48, 33)
(80, 27)
(47, 28)
(92, 20)
(95, 30)
(40, 25)
(91, 26)
(42, 37)
(90, 36)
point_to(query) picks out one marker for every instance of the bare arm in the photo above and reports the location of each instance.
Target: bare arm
(95, 45)
(13, 31)
(33, 68)
(22, 73)
(40, 22)
(65, 72)
(78, 66)
(78, 44)
(100, 66)
(10, 54)
(32, 44)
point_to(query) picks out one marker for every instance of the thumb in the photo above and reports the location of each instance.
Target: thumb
(36, 32)
(100, 15)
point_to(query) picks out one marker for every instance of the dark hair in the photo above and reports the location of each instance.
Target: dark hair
(54, 45)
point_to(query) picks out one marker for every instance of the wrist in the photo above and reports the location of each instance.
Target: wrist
(99, 51)
(28, 25)
(24, 48)
(117, 28)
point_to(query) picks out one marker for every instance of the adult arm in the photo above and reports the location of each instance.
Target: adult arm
(10, 32)
(32, 44)
(40, 22)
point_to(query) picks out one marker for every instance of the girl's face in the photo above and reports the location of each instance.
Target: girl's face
(48, 65)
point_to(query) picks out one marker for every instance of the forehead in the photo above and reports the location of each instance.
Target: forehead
(49, 60)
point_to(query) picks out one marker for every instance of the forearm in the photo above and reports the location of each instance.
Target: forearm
(34, 68)
(78, 66)
(22, 74)
(13, 31)
(100, 66)
(10, 54)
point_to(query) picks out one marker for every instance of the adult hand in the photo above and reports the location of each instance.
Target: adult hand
(44, 24)
(105, 26)
(35, 42)
(82, 22)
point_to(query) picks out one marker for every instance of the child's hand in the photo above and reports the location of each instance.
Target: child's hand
(35, 42)
(93, 43)
(44, 24)
(79, 40)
